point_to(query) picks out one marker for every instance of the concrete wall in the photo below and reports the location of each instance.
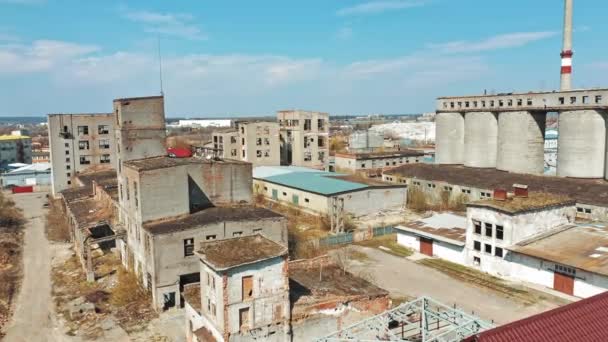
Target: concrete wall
(169, 262)
(352, 164)
(65, 152)
(449, 138)
(267, 135)
(229, 143)
(293, 134)
(521, 142)
(581, 144)
(15, 150)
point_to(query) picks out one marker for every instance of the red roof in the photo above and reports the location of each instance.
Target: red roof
(582, 321)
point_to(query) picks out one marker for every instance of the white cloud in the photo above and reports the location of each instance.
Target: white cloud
(503, 41)
(374, 7)
(41, 55)
(169, 24)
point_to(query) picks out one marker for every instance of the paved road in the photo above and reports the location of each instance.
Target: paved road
(31, 320)
(403, 277)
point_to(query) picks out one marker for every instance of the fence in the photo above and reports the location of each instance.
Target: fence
(356, 236)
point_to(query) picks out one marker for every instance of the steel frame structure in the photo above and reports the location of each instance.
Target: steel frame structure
(420, 320)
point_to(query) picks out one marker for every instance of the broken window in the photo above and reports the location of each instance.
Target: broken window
(103, 129)
(498, 252)
(243, 319)
(321, 142)
(562, 100)
(266, 141)
(239, 233)
(267, 153)
(488, 229)
(258, 153)
(488, 248)
(188, 247)
(477, 245)
(247, 287)
(307, 124)
(321, 124)
(83, 145)
(500, 232)
(529, 101)
(307, 156)
(598, 98)
(104, 159)
(83, 130)
(257, 231)
(127, 186)
(258, 141)
(572, 99)
(477, 227)
(85, 160)
(104, 143)
(321, 156)
(135, 194)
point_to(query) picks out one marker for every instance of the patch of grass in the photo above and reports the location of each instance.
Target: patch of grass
(389, 242)
(481, 279)
(57, 227)
(398, 300)
(358, 255)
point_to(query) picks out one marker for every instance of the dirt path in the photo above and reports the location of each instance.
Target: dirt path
(31, 321)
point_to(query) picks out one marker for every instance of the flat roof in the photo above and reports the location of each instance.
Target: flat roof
(583, 246)
(87, 177)
(526, 93)
(208, 216)
(89, 212)
(315, 181)
(229, 253)
(517, 205)
(447, 227)
(585, 191)
(163, 162)
(379, 155)
(81, 114)
(138, 98)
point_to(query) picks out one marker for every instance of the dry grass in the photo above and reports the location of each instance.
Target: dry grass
(534, 200)
(11, 248)
(121, 297)
(420, 201)
(57, 226)
(389, 242)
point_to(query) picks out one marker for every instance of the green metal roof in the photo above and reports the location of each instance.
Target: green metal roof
(317, 182)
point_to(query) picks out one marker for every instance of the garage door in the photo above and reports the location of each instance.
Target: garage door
(426, 246)
(563, 283)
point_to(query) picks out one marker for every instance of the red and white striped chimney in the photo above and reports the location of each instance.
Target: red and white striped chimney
(566, 70)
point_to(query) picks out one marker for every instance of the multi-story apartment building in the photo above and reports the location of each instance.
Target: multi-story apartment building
(304, 138)
(15, 149)
(255, 142)
(78, 142)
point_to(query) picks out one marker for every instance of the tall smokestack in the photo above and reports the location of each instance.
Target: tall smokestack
(566, 72)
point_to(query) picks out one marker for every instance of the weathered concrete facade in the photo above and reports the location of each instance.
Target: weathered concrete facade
(304, 138)
(15, 149)
(78, 142)
(372, 163)
(256, 142)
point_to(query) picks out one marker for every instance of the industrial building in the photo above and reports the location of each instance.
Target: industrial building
(243, 294)
(373, 163)
(472, 184)
(256, 142)
(15, 149)
(78, 142)
(38, 174)
(584, 320)
(304, 138)
(326, 193)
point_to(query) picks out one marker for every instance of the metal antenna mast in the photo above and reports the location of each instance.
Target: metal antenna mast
(160, 67)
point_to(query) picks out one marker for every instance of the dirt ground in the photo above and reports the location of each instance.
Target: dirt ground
(409, 279)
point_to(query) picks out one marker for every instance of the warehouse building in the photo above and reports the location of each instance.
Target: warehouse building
(373, 163)
(590, 195)
(34, 174)
(327, 193)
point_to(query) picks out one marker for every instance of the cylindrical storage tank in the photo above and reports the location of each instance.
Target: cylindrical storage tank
(581, 144)
(521, 142)
(480, 139)
(449, 138)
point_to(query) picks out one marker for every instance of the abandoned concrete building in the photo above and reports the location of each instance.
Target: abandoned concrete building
(590, 195)
(304, 138)
(78, 142)
(373, 163)
(256, 142)
(15, 149)
(326, 193)
(243, 294)
(249, 291)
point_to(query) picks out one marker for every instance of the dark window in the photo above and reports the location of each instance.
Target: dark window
(488, 248)
(477, 245)
(210, 237)
(477, 226)
(498, 252)
(103, 129)
(579, 209)
(188, 247)
(83, 130)
(85, 160)
(488, 229)
(500, 231)
(587, 211)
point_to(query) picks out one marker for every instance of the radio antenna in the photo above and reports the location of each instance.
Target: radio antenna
(160, 67)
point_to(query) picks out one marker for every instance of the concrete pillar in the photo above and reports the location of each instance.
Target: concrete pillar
(521, 142)
(581, 144)
(449, 138)
(480, 139)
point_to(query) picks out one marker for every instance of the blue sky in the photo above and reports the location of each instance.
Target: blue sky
(226, 58)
